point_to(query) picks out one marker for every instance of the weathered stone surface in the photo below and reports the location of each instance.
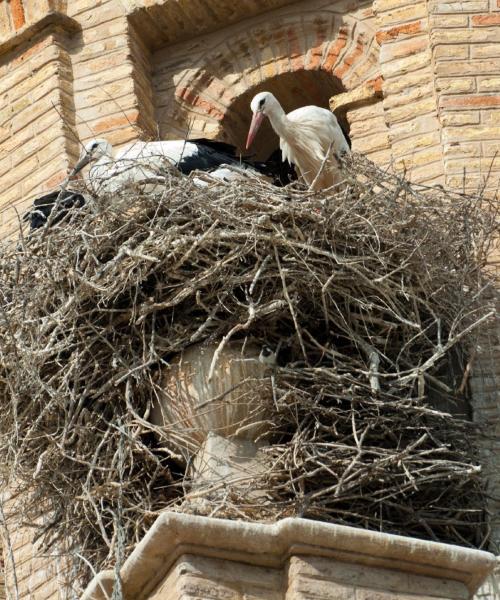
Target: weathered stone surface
(293, 559)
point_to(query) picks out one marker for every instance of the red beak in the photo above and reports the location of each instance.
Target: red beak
(257, 119)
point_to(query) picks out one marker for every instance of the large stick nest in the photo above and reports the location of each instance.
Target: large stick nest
(375, 293)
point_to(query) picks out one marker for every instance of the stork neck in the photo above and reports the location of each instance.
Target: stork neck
(278, 120)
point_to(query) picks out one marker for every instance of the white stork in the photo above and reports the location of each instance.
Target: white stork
(142, 162)
(308, 136)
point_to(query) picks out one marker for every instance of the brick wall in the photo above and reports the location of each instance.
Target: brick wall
(410, 104)
(466, 58)
(27, 571)
(304, 56)
(35, 149)
(142, 68)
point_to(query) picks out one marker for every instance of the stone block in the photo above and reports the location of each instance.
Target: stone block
(414, 144)
(485, 50)
(422, 107)
(416, 10)
(403, 48)
(451, 52)
(371, 143)
(402, 66)
(418, 159)
(454, 85)
(367, 127)
(430, 172)
(467, 67)
(438, 21)
(381, 6)
(454, 118)
(464, 165)
(471, 183)
(480, 132)
(406, 81)
(359, 95)
(463, 6)
(417, 126)
(305, 588)
(462, 35)
(490, 117)
(408, 96)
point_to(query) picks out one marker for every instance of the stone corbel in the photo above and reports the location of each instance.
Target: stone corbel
(21, 20)
(362, 95)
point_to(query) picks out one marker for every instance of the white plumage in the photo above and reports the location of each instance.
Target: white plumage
(144, 163)
(307, 135)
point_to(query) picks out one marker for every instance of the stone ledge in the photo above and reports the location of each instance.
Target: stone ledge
(174, 534)
(27, 32)
(363, 95)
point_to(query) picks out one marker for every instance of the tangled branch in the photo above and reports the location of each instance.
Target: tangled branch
(372, 292)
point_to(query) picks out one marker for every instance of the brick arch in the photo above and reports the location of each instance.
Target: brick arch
(305, 57)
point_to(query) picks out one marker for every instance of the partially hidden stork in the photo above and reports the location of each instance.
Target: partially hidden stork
(144, 162)
(310, 138)
(65, 200)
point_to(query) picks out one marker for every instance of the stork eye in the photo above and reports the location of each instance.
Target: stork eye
(261, 102)
(94, 146)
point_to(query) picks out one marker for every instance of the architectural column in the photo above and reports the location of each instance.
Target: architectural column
(466, 57)
(37, 115)
(410, 102)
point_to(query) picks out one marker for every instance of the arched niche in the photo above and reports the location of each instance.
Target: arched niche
(293, 90)
(304, 54)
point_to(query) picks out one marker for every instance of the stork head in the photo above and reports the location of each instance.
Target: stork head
(262, 105)
(92, 151)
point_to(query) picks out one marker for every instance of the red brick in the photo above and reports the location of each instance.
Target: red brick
(486, 20)
(296, 53)
(17, 11)
(472, 101)
(209, 108)
(376, 83)
(394, 32)
(192, 98)
(350, 59)
(317, 50)
(115, 122)
(335, 50)
(35, 49)
(56, 179)
(315, 57)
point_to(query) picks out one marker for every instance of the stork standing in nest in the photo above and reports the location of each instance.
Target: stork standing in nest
(310, 138)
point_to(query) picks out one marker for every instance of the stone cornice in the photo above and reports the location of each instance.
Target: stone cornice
(270, 545)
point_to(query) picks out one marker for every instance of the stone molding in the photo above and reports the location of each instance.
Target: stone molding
(270, 545)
